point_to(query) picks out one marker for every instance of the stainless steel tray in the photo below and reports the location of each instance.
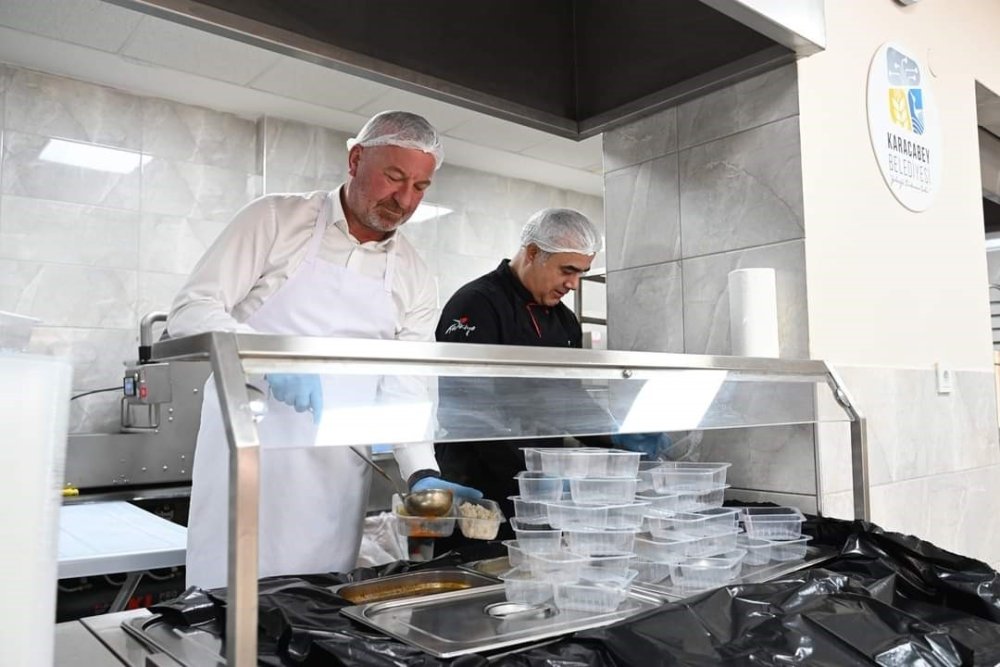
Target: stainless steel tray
(412, 584)
(481, 620)
(187, 645)
(754, 574)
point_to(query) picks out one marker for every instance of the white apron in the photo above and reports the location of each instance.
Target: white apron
(313, 499)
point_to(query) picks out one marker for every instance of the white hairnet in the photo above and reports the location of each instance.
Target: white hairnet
(561, 230)
(400, 128)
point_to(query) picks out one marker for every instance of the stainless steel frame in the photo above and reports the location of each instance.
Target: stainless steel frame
(228, 351)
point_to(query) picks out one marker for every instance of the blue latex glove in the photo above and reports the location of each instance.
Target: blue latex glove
(301, 391)
(653, 445)
(460, 492)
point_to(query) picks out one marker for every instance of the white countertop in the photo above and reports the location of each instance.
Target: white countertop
(108, 537)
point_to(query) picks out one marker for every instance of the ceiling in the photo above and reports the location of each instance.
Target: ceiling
(107, 44)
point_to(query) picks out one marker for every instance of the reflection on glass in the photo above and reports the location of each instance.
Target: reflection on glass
(681, 398)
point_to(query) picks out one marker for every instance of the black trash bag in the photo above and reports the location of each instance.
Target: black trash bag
(887, 599)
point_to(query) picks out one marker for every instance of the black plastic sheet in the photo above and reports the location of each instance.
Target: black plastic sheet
(886, 599)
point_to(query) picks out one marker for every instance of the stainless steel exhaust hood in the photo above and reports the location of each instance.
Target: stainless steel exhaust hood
(573, 68)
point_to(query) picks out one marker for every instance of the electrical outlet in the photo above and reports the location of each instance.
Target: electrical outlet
(945, 378)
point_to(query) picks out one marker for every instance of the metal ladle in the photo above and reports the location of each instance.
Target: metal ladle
(431, 502)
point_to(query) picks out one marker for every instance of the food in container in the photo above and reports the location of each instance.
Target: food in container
(421, 526)
(480, 520)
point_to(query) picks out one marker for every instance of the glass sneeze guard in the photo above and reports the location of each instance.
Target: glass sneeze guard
(392, 392)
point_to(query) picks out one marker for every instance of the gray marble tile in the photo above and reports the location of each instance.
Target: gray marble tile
(706, 298)
(914, 432)
(834, 444)
(69, 296)
(289, 147)
(98, 355)
(742, 191)
(777, 459)
(100, 413)
(276, 181)
(956, 511)
(331, 156)
(194, 134)
(589, 205)
(647, 138)
(839, 505)
(5, 74)
(170, 244)
(644, 309)
(25, 174)
(805, 503)
(642, 209)
(194, 190)
(768, 97)
(157, 291)
(50, 231)
(59, 107)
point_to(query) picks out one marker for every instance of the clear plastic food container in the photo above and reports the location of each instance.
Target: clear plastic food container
(714, 541)
(572, 516)
(603, 490)
(627, 516)
(600, 542)
(702, 522)
(690, 501)
(758, 551)
(785, 550)
(772, 523)
(701, 573)
(672, 549)
(602, 596)
(529, 511)
(574, 462)
(515, 556)
(651, 572)
(532, 459)
(556, 566)
(421, 526)
(619, 463)
(645, 477)
(688, 476)
(539, 486)
(479, 519)
(660, 503)
(533, 538)
(602, 568)
(523, 588)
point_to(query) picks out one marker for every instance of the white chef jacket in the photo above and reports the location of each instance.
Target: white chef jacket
(265, 242)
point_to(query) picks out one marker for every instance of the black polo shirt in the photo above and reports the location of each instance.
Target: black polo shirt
(497, 309)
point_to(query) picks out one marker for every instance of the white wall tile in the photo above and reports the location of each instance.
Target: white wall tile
(194, 134)
(172, 244)
(157, 291)
(55, 106)
(98, 355)
(23, 173)
(50, 231)
(69, 296)
(195, 190)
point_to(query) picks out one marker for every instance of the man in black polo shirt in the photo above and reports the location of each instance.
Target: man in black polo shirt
(519, 303)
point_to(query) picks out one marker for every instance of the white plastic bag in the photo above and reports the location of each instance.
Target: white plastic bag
(380, 543)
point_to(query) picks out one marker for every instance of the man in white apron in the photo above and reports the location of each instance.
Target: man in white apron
(314, 264)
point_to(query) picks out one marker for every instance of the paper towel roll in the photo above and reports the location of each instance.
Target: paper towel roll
(34, 412)
(753, 313)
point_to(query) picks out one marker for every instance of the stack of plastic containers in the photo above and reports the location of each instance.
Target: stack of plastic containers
(693, 543)
(575, 520)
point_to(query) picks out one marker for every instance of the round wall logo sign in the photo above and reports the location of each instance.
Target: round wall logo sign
(904, 126)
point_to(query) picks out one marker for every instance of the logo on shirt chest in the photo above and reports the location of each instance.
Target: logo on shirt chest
(461, 324)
